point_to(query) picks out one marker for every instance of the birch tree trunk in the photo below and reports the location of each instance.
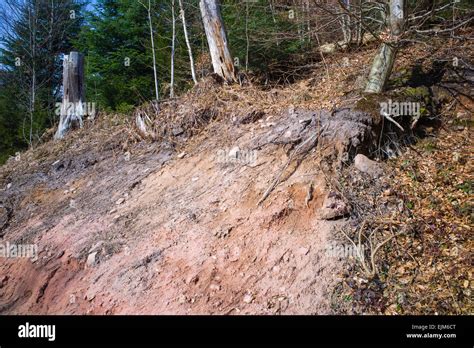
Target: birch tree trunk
(73, 93)
(217, 40)
(153, 51)
(33, 24)
(346, 23)
(172, 50)
(150, 24)
(360, 23)
(383, 61)
(247, 36)
(186, 38)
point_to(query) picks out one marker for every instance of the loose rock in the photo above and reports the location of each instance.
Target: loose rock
(92, 259)
(366, 165)
(248, 298)
(333, 207)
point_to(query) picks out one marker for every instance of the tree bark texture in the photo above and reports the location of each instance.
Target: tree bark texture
(217, 40)
(73, 93)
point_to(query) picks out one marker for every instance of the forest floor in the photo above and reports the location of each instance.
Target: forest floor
(173, 225)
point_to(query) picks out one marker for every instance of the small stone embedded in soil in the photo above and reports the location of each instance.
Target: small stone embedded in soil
(181, 155)
(182, 299)
(215, 287)
(92, 259)
(366, 165)
(333, 207)
(235, 255)
(248, 298)
(120, 201)
(90, 297)
(303, 251)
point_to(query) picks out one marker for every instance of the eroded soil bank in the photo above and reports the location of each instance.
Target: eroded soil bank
(162, 232)
(174, 226)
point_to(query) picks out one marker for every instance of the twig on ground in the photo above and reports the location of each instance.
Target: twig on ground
(369, 269)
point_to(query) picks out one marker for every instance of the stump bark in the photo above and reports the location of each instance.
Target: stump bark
(217, 40)
(72, 106)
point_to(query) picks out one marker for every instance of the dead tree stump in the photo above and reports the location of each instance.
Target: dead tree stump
(72, 106)
(217, 40)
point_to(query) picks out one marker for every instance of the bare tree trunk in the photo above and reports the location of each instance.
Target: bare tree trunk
(308, 21)
(186, 38)
(247, 36)
(383, 62)
(360, 23)
(32, 104)
(217, 40)
(73, 93)
(153, 50)
(33, 21)
(272, 10)
(346, 23)
(381, 69)
(155, 75)
(172, 50)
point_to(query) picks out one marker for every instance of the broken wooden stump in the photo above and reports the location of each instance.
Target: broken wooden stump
(73, 102)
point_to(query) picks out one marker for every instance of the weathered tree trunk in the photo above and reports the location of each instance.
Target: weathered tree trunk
(217, 40)
(346, 23)
(173, 40)
(360, 23)
(152, 40)
(33, 24)
(381, 69)
(247, 40)
(73, 93)
(188, 44)
(157, 96)
(383, 62)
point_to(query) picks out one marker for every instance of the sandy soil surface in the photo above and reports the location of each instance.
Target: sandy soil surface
(160, 232)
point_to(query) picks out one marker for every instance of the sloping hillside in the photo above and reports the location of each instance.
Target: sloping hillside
(233, 206)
